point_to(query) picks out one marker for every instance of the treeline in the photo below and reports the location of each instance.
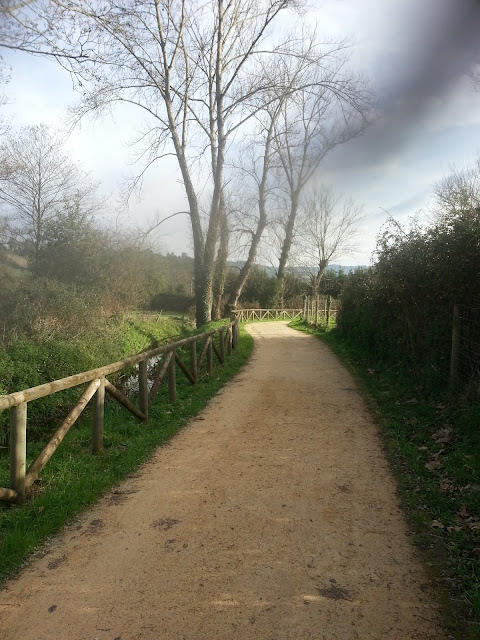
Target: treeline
(401, 308)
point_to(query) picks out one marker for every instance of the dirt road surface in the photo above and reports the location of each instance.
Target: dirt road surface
(271, 516)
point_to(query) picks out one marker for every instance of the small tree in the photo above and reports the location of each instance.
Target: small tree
(458, 194)
(327, 229)
(454, 234)
(73, 250)
(38, 182)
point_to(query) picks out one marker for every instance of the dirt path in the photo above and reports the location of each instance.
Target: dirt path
(271, 516)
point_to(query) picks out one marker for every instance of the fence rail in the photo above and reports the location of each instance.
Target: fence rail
(21, 479)
(249, 315)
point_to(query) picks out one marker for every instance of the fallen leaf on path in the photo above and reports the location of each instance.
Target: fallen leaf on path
(463, 511)
(442, 436)
(450, 529)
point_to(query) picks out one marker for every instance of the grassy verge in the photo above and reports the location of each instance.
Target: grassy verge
(433, 446)
(74, 478)
(27, 361)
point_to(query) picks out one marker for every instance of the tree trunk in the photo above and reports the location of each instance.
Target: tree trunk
(198, 269)
(218, 163)
(220, 264)
(286, 246)
(261, 224)
(247, 267)
(322, 267)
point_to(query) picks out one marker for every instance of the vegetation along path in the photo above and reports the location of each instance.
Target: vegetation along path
(272, 515)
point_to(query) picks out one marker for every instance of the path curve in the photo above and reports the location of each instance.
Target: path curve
(271, 516)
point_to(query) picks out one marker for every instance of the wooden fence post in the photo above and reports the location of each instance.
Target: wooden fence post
(98, 417)
(222, 345)
(209, 357)
(236, 333)
(18, 450)
(172, 381)
(455, 352)
(143, 387)
(193, 360)
(327, 315)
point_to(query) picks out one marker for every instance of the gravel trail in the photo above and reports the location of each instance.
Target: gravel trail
(271, 516)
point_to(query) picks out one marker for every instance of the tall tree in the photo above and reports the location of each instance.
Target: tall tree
(314, 78)
(311, 125)
(38, 181)
(252, 213)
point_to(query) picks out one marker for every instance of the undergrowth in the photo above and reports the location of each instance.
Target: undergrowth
(433, 445)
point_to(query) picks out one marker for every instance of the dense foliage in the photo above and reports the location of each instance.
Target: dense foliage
(401, 308)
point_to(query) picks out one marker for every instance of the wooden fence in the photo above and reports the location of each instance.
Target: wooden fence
(318, 309)
(21, 479)
(250, 315)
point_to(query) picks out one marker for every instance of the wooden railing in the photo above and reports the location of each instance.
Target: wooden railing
(21, 479)
(250, 315)
(318, 310)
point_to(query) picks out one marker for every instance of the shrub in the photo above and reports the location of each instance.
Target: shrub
(172, 302)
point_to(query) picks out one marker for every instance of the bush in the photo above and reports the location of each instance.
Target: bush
(40, 308)
(401, 308)
(172, 302)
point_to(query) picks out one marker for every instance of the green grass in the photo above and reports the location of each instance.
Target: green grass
(30, 361)
(74, 478)
(438, 481)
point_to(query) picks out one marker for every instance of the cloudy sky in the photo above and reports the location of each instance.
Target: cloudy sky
(418, 56)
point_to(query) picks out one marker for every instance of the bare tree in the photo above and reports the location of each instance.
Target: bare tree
(190, 67)
(250, 215)
(38, 181)
(312, 124)
(197, 71)
(458, 193)
(313, 78)
(327, 228)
